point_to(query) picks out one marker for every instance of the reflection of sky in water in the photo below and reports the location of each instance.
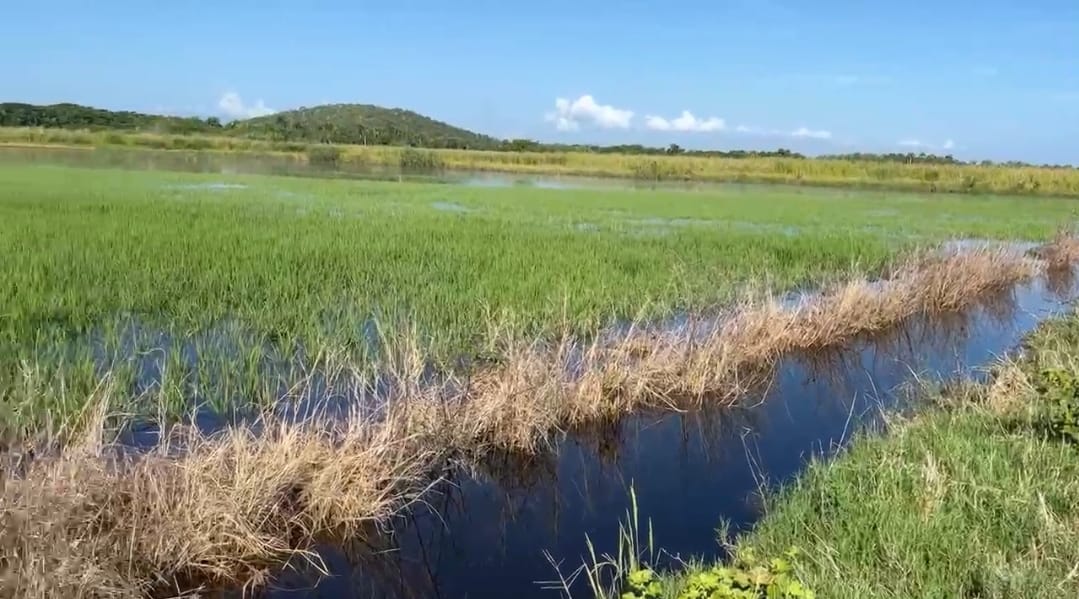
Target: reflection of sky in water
(451, 207)
(215, 186)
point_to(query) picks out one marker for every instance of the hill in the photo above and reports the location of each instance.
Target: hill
(75, 116)
(361, 124)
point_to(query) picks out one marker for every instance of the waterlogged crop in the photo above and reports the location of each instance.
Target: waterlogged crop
(218, 285)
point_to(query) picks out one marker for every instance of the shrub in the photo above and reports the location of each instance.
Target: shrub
(181, 142)
(115, 139)
(420, 160)
(1061, 389)
(323, 155)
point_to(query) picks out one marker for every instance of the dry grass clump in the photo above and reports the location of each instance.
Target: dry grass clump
(1010, 390)
(542, 387)
(223, 509)
(1062, 252)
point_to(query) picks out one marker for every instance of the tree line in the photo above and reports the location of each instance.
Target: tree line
(74, 116)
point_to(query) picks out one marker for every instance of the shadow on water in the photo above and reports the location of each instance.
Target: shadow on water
(483, 533)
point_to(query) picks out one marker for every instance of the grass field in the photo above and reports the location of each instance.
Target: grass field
(105, 267)
(943, 178)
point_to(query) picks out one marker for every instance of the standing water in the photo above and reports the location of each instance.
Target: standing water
(487, 533)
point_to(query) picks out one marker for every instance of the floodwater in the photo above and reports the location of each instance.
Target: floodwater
(225, 163)
(487, 533)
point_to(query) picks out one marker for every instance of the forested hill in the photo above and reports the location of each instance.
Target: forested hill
(74, 116)
(363, 124)
(332, 123)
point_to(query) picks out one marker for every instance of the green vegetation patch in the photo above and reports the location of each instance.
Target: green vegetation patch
(106, 271)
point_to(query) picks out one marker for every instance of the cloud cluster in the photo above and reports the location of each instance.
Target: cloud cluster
(685, 122)
(803, 132)
(569, 115)
(811, 133)
(232, 106)
(917, 143)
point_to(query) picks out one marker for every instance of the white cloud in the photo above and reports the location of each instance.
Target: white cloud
(571, 115)
(811, 133)
(948, 144)
(232, 106)
(804, 132)
(685, 122)
(568, 116)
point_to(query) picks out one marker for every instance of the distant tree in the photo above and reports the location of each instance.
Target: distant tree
(521, 145)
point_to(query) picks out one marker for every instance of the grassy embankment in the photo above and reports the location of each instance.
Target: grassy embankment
(944, 178)
(977, 496)
(299, 267)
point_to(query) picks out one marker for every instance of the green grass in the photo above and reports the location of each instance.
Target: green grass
(110, 263)
(977, 497)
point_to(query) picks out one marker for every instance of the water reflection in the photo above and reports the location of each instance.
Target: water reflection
(483, 532)
(230, 163)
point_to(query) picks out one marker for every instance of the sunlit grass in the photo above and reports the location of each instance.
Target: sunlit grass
(222, 287)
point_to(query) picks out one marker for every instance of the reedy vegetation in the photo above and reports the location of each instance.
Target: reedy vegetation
(826, 172)
(208, 509)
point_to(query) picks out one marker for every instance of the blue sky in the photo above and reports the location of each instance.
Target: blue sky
(980, 79)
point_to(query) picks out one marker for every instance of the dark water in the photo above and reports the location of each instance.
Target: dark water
(485, 534)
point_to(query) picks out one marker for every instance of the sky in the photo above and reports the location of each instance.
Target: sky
(978, 79)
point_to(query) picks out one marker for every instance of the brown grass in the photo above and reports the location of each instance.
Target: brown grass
(218, 510)
(531, 393)
(1062, 252)
(222, 509)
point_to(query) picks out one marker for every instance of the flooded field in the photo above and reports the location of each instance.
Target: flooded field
(298, 165)
(543, 349)
(194, 161)
(486, 533)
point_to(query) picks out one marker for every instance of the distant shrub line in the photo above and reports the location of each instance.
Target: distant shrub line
(950, 177)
